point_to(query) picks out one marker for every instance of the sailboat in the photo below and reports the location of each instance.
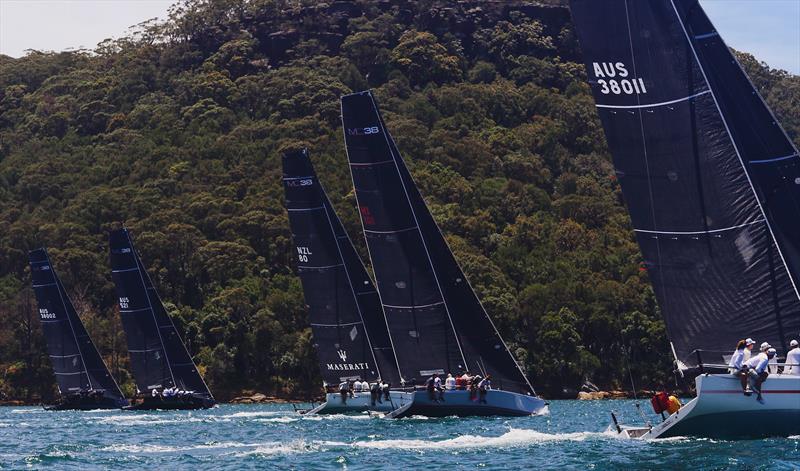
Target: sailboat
(165, 375)
(350, 333)
(436, 322)
(83, 378)
(712, 184)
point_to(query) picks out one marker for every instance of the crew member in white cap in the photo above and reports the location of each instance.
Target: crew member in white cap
(793, 359)
(758, 371)
(749, 344)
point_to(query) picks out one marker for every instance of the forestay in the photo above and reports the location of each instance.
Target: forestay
(345, 313)
(159, 358)
(711, 181)
(76, 362)
(436, 321)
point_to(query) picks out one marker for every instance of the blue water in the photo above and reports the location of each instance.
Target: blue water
(273, 436)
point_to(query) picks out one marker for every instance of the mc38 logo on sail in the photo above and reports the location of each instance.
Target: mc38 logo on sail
(364, 131)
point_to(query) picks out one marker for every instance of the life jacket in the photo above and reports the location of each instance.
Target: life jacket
(674, 405)
(660, 402)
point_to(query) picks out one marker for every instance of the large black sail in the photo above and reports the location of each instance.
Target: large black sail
(710, 179)
(347, 320)
(76, 362)
(436, 321)
(159, 358)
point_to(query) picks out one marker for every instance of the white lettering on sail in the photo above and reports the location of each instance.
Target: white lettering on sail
(364, 131)
(123, 303)
(610, 76)
(45, 314)
(303, 253)
(347, 366)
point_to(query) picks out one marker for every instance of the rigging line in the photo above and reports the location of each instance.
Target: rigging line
(736, 149)
(326, 203)
(414, 213)
(369, 253)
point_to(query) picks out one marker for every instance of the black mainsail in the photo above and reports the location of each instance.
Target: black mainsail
(711, 181)
(159, 358)
(347, 320)
(77, 364)
(436, 321)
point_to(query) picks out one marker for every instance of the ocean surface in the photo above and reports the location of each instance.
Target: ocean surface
(273, 436)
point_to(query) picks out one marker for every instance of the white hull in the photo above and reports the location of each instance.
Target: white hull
(721, 410)
(361, 402)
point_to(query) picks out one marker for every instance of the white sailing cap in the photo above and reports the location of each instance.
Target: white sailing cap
(793, 343)
(772, 351)
(750, 341)
(765, 345)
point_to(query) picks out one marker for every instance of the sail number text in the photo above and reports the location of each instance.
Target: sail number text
(123, 303)
(45, 314)
(614, 78)
(303, 253)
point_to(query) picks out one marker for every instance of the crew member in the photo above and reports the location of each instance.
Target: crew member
(758, 370)
(375, 392)
(792, 365)
(737, 367)
(344, 390)
(748, 352)
(357, 385)
(483, 387)
(450, 382)
(431, 388)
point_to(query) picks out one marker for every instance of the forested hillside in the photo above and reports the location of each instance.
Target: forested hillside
(176, 131)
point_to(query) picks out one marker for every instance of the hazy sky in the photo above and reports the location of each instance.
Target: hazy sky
(770, 29)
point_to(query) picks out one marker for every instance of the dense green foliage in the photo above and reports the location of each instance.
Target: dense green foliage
(176, 132)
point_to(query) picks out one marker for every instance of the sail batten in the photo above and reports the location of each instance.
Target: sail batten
(711, 180)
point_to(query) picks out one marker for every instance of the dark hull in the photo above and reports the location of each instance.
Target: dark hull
(87, 404)
(462, 404)
(173, 403)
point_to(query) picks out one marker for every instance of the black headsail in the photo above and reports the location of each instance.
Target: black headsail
(435, 319)
(347, 320)
(159, 358)
(711, 181)
(76, 362)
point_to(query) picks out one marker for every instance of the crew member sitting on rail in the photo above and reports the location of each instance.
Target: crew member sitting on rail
(430, 388)
(357, 385)
(461, 383)
(467, 378)
(792, 365)
(375, 392)
(154, 392)
(758, 370)
(737, 367)
(748, 351)
(484, 386)
(386, 387)
(365, 385)
(450, 382)
(437, 385)
(344, 390)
